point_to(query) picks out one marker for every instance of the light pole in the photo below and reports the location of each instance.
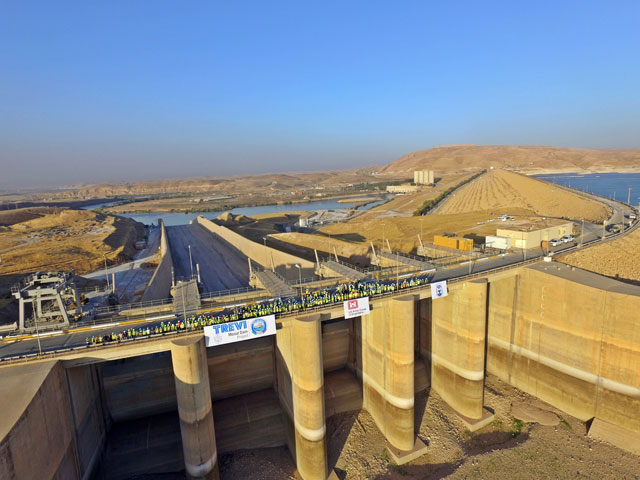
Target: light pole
(266, 253)
(299, 276)
(582, 234)
(190, 261)
(604, 226)
(106, 271)
(629, 197)
(35, 321)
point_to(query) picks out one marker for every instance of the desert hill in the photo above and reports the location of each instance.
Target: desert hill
(501, 190)
(67, 239)
(523, 158)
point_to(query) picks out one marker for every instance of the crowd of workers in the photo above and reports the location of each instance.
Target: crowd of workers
(308, 299)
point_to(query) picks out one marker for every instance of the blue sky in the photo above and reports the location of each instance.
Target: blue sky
(117, 90)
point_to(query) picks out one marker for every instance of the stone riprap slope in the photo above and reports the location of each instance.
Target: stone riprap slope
(500, 191)
(618, 258)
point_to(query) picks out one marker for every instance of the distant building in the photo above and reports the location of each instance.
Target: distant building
(532, 234)
(423, 177)
(403, 188)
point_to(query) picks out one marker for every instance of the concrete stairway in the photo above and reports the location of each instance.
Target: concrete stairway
(332, 267)
(274, 284)
(186, 297)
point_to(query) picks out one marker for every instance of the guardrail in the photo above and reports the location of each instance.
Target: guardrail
(461, 278)
(224, 293)
(304, 310)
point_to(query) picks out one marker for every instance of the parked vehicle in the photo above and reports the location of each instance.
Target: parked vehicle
(554, 242)
(567, 238)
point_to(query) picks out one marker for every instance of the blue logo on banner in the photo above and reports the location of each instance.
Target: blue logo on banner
(439, 291)
(258, 326)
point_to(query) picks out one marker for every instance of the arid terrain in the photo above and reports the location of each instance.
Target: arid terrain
(500, 190)
(617, 259)
(522, 158)
(547, 444)
(64, 239)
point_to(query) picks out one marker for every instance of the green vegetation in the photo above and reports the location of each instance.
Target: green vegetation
(366, 186)
(565, 423)
(429, 204)
(516, 428)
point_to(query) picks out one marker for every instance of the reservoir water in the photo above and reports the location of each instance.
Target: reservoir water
(184, 218)
(610, 185)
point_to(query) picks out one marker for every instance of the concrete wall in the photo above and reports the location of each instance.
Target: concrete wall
(574, 345)
(160, 284)
(459, 325)
(283, 262)
(61, 431)
(138, 387)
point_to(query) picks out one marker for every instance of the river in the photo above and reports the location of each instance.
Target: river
(174, 218)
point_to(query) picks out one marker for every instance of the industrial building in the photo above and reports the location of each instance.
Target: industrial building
(532, 234)
(403, 188)
(423, 177)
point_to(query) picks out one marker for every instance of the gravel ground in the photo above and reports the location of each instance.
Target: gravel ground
(617, 259)
(506, 449)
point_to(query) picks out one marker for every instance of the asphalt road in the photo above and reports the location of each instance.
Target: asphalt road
(201, 243)
(222, 267)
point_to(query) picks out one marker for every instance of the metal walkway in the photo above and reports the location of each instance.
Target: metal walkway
(343, 270)
(274, 284)
(412, 262)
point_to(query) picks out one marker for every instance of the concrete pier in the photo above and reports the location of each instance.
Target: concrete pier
(191, 373)
(459, 326)
(300, 387)
(388, 369)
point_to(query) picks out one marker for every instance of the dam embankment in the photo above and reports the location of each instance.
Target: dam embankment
(564, 335)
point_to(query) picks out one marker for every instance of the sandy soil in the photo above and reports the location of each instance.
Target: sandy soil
(617, 258)
(506, 449)
(357, 253)
(503, 190)
(68, 239)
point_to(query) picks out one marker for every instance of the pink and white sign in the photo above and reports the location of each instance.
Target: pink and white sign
(356, 307)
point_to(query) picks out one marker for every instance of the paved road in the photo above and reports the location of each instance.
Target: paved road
(222, 267)
(29, 346)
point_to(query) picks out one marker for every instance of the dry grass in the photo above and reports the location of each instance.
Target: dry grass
(69, 239)
(617, 259)
(402, 232)
(500, 190)
(405, 205)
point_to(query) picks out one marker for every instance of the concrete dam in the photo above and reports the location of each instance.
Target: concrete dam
(566, 336)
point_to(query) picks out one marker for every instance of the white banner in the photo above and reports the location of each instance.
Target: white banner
(356, 307)
(240, 330)
(439, 289)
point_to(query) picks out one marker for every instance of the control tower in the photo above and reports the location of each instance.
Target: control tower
(46, 298)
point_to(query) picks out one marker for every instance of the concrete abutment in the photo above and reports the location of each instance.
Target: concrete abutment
(572, 342)
(191, 372)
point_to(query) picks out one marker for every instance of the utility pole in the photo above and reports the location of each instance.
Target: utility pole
(604, 226)
(106, 271)
(266, 252)
(35, 321)
(190, 261)
(629, 196)
(582, 234)
(397, 271)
